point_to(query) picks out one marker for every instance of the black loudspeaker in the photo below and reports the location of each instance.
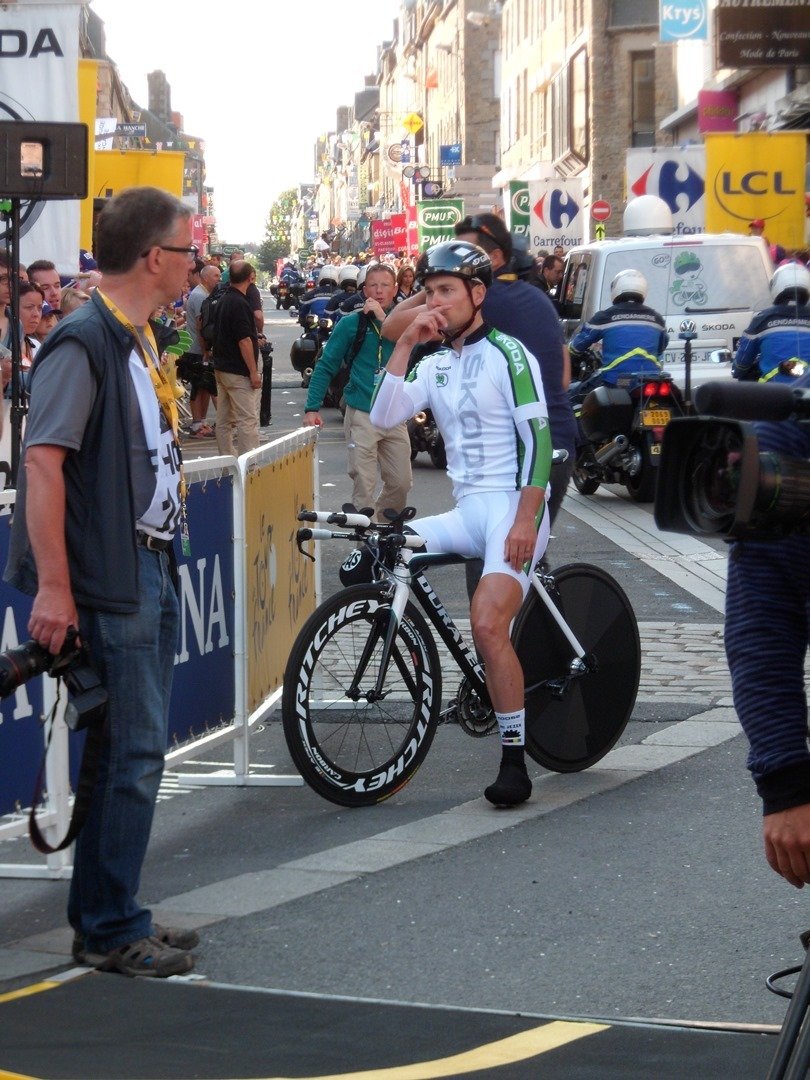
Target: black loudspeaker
(43, 161)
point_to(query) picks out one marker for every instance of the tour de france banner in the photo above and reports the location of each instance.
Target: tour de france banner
(674, 174)
(557, 217)
(519, 218)
(39, 64)
(436, 220)
(760, 174)
(280, 586)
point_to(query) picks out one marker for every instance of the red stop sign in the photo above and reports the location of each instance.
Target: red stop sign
(600, 210)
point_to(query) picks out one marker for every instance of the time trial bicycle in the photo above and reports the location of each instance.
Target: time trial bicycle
(363, 684)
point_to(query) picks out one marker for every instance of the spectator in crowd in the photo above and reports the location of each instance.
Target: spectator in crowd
(44, 273)
(72, 298)
(551, 272)
(30, 314)
(5, 301)
(357, 341)
(47, 322)
(406, 283)
(236, 356)
(197, 365)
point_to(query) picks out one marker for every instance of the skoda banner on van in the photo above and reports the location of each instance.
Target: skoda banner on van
(676, 175)
(518, 217)
(557, 216)
(757, 175)
(436, 220)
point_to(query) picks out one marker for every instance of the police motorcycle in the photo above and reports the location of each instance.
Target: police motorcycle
(316, 324)
(621, 429)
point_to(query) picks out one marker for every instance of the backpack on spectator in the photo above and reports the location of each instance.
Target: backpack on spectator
(208, 313)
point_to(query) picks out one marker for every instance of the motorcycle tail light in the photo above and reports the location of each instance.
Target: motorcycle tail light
(653, 389)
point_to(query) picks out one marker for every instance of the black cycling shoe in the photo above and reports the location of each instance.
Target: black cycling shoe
(512, 787)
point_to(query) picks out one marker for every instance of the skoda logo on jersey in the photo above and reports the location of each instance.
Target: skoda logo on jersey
(441, 378)
(561, 209)
(671, 187)
(683, 21)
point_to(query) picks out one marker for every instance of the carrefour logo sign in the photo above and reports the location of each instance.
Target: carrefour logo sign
(681, 21)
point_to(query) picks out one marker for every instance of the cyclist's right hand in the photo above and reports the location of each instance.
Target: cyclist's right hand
(427, 326)
(312, 419)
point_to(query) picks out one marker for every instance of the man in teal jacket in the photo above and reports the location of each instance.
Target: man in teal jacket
(360, 344)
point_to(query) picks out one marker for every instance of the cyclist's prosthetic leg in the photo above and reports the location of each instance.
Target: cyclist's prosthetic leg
(513, 785)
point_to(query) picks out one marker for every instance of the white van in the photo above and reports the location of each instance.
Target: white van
(718, 281)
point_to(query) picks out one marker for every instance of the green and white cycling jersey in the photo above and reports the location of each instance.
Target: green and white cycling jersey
(489, 405)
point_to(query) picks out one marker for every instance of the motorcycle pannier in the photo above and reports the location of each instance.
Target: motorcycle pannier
(607, 411)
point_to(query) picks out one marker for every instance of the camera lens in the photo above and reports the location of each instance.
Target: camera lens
(712, 471)
(21, 664)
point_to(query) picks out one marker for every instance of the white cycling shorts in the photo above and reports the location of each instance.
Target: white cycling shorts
(477, 528)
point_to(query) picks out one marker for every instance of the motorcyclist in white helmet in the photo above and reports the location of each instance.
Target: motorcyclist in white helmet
(633, 335)
(776, 345)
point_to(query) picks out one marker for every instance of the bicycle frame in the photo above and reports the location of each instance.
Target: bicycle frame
(410, 580)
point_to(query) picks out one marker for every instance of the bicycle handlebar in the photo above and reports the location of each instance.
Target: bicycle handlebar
(329, 517)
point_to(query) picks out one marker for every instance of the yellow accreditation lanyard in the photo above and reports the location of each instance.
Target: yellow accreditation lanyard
(146, 346)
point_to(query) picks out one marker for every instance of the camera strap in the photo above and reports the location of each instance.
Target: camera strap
(88, 772)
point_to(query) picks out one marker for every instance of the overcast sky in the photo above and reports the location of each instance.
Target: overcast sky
(257, 81)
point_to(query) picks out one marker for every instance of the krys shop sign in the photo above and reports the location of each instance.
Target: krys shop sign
(436, 220)
(757, 175)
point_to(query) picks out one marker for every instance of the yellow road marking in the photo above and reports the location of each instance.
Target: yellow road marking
(16, 1076)
(26, 991)
(520, 1047)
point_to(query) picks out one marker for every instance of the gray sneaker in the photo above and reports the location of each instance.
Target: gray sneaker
(174, 937)
(146, 956)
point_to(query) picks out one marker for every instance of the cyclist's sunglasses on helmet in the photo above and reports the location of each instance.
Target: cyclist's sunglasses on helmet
(476, 225)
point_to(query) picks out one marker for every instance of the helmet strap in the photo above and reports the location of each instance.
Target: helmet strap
(455, 334)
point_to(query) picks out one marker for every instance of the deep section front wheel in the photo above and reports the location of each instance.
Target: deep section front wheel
(353, 743)
(573, 722)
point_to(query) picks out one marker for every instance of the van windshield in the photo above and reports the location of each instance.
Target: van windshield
(694, 277)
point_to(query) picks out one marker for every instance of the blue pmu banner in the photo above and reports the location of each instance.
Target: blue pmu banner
(204, 688)
(686, 20)
(21, 737)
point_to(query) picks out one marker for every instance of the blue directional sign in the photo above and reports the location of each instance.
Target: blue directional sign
(450, 154)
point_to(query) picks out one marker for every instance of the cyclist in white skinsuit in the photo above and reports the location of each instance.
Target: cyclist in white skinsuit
(486, 394)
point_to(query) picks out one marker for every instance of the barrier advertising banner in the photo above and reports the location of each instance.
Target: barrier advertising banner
(557, 218)
(280, 586)
(207, 612)
(39, 64)
(436, 220)
(389, 237)
(757, 175)
(674, 174)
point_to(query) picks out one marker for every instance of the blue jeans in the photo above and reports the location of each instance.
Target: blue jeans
(134, 656)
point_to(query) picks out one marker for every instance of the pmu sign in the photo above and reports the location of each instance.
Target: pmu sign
(437, 219)
(757, 175)
(676, 175)
(556, 216)
(519, 218)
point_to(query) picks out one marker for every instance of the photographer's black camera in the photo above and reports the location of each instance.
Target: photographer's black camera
(715, 481)
(87, 698)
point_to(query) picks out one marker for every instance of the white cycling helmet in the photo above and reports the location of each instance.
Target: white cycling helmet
(628, 285)
(791, 282)
(328, 273)
(350, 272)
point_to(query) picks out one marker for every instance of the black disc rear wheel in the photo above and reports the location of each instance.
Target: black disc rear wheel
(350, 746)
(572, 732)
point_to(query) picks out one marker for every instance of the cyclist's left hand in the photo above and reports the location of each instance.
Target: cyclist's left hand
(787, 843)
